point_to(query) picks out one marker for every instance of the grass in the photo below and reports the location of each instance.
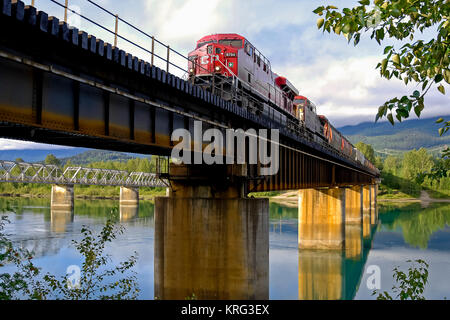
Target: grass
(265, 194)
(44, 191)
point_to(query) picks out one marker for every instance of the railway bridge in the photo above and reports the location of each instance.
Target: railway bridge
(64, 86)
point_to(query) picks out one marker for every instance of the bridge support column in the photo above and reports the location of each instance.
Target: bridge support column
(367, 219)
(373, 204)
(353, 222)
(62, 198)
(214, 245)
(129, 196)
(321, 219)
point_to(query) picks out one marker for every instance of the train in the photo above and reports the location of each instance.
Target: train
(231, 66)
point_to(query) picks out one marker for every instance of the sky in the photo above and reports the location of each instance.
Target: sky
(341, 79)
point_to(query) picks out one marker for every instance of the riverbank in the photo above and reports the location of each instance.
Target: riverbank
(289, 199)
(77, 197)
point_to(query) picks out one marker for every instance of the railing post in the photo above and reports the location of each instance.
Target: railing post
(153, 49)
(32, 3)
(168, 56)
(65, 10)
(116, 30)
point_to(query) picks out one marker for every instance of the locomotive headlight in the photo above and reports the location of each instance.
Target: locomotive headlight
(218, 69)
(191, 70)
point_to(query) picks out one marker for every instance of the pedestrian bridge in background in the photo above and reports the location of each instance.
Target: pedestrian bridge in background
(23, 172)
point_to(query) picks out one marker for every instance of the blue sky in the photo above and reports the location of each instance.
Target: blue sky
(340, 78)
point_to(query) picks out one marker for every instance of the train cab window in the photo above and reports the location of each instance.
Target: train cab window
(209, 49)
(249, 78)
(259, 61)
(249, 49)
(264, 66)
(218, 50)
(235, 43)
(201, 44)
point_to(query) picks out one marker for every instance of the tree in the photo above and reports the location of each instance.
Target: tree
(416, 164)
(392, 165)
(52, 160)
(423, 62)
(367, 151)
(411, 285)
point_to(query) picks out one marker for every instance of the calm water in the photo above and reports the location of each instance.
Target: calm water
(405, 232)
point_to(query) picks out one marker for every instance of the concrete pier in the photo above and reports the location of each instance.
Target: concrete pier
(62, 198)
(321, 218)
(353, 222)
(373, 204)
(211, 245)
(129, 196)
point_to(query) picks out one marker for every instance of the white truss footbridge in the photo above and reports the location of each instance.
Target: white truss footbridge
(22, 172)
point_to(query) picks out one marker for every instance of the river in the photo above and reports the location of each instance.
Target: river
(405, 232)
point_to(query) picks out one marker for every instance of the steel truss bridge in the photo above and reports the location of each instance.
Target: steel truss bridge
(22, 172)
(64, 86)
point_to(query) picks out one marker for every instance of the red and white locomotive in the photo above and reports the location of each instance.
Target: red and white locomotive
(229, 65)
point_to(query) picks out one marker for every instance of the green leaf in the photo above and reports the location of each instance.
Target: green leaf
(441, 89)
(364, 2)
(440, 120)
(416, 94)
(390, 118)
(320, 23)
(438, 78)
(319, 10)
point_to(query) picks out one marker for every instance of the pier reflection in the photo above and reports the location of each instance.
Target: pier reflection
(60, 219)
(334, 274)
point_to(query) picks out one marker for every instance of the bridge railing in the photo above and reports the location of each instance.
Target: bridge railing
(22, 172)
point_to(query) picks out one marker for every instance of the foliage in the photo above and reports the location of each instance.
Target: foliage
(21, 282)
(367, 151)
(52, 160)
(410, 285)
(416, 164)
(92, 280)
(424, 62)
(93, 283)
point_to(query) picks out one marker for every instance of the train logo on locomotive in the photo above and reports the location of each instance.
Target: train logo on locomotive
(230, 66)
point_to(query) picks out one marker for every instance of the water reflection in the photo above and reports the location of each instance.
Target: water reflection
(60, 219)
(128, 212)
(405, 231)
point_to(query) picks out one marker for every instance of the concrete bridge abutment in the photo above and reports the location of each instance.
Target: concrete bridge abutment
(62, 198)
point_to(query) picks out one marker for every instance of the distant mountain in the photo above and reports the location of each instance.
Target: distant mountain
(100, 155)
(78, 156)
(30, 155)
(408, 135)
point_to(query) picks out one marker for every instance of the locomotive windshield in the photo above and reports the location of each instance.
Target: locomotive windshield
(201, 44)
(235, 43)
(300, 101)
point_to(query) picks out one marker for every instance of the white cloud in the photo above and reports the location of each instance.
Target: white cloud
(7, 144)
